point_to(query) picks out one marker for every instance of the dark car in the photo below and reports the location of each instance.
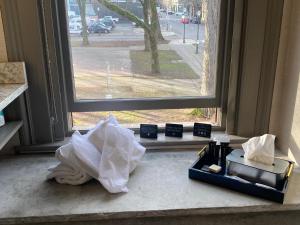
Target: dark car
(108, 22)
(99, 27)
(195, 20)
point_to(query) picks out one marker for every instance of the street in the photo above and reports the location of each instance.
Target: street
(170, 25)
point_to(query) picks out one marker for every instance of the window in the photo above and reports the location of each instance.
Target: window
(171, 58)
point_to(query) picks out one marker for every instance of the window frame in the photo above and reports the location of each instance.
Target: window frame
(118, 104)
(39, 128)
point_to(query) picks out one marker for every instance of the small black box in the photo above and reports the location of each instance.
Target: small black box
(202, 130)
(174, 130)
(148, 131)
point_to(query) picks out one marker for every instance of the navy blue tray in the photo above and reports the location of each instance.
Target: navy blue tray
(222, 180)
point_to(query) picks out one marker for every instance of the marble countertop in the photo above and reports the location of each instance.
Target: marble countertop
(9, 92)
(159, 186)
(13, 82)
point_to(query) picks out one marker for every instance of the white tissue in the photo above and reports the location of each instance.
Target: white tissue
(260, 149)
(108, 153)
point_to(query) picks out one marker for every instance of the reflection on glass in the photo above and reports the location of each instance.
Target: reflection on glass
(112, 57)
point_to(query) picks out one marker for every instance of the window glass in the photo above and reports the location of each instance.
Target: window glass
(112, 58)
(132, 119)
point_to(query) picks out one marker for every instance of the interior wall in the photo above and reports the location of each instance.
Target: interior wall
(285, 115)
(3, 53)
(9, 147)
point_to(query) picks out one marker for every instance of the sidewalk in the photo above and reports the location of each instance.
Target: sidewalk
(187, 53)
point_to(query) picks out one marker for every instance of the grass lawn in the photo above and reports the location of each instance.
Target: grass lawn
(134, 118)
(172, 65)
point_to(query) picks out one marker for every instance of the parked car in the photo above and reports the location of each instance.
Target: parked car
(108, 22)
(77, 20)
(179, 13)
(195, 20)
(185, 20)
(115, 19)
(75, 26)
(98, 27)
(77, 31)
(171, 13)
(136, 25)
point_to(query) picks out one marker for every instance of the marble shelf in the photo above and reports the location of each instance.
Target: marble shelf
(8, 131)
(9, 92)
(13, 82)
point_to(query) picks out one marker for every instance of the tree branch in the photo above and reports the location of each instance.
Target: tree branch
(142, 2)
(125, 13)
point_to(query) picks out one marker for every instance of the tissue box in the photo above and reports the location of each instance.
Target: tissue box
(270, 175)
(2, 121)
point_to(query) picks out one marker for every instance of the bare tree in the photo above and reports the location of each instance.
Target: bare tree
(153, 38)
(158, 30)
(145, 4)
(84, 33)
(150, 29)
(146, 12)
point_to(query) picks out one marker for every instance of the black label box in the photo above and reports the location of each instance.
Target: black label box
(148, 131)
(202, 130)
(174, 130)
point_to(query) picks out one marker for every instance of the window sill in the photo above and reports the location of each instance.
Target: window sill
(188, 141)
(159, 187)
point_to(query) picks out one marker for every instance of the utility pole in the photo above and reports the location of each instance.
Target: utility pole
(198, 29)
(167, 18)
(184, 22)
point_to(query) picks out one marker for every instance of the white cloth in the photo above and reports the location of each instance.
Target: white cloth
(108, 153)
(70, 169)
(260, 149)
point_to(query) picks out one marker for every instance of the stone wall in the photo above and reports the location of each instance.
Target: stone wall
(285, 114)
(3, 53)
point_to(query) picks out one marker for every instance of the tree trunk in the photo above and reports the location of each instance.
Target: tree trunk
(155, 68)
(158, 33)
(146, 20)
(84, 32)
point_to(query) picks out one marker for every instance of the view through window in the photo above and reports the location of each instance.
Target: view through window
(130, 119)
(170, 53)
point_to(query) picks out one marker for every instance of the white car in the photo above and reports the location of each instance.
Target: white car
(76, 21)
(74, 27)
(115, 19)
(179, 13)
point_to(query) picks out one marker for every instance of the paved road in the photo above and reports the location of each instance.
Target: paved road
(170, 25)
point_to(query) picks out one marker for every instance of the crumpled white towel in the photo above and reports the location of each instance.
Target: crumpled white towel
(108, 153)
(70, 169)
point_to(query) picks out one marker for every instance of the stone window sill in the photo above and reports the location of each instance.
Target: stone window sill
(159, 187)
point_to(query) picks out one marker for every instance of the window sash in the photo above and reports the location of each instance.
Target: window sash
(77, 105)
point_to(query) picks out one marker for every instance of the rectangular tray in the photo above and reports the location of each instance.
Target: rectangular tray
(222, 180)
